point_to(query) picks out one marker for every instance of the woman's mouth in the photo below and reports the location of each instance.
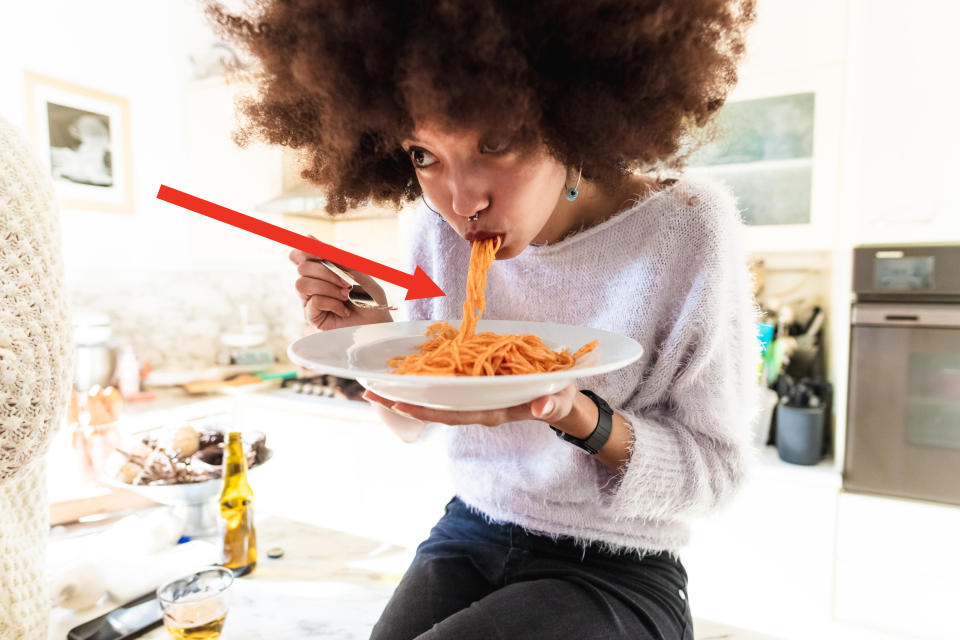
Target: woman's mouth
(477, 236)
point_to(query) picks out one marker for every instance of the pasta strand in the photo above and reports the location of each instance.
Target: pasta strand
(464, 352)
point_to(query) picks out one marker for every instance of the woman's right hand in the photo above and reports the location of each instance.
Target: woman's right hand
(323, 295)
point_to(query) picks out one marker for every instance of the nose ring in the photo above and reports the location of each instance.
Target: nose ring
(474, 217)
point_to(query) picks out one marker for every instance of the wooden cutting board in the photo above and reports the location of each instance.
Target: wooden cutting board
(101, 500)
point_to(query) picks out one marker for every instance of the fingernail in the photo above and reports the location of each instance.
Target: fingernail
(547, 408)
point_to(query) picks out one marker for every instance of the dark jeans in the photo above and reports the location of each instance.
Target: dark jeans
(475, 580)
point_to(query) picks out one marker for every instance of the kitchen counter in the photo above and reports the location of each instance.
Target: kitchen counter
(173, 405)
(328, 584)
(348, 533)
(349, 502)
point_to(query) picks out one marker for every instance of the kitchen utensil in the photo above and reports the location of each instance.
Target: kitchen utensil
(361, 353)
(763, 419)
(800, 433)
(358, 296)
(95, 358)
(129, 620)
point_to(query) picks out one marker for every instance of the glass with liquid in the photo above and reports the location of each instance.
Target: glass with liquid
(195, 606)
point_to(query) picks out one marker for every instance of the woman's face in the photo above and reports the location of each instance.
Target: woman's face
(518, 195)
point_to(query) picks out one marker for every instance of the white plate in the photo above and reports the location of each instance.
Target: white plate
(361, 353)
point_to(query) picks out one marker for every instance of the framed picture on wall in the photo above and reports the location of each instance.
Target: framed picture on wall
(83, 136)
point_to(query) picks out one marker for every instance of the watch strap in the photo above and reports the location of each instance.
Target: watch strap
(593, 443)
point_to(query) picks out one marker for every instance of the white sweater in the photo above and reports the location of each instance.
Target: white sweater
(669, 272)
(36, 364)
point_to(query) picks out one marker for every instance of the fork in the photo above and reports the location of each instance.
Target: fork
(357, 295)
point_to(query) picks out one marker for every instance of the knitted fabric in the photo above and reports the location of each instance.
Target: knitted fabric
(671, 273)
(36, 365)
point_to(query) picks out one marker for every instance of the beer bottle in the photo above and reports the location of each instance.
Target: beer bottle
(236, 511)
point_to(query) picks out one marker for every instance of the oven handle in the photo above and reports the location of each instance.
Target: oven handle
(906, 315)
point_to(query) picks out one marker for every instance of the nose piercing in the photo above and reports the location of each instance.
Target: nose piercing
(474, 217)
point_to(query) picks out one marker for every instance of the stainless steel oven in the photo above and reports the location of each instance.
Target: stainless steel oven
(903, 415)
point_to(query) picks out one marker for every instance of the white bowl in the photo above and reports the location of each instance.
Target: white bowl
(184, 492)
(361, 353)
(194, 502)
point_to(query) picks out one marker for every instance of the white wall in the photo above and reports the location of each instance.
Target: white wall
(138, 50)
(122, 48)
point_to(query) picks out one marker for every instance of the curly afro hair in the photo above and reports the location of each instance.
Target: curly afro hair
(609, 86)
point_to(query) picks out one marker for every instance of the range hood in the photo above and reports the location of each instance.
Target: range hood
(300, 198)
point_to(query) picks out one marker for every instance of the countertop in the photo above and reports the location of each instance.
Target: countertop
(341, 560)
(327, 584)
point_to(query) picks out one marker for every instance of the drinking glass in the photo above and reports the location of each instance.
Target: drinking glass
(195, 606)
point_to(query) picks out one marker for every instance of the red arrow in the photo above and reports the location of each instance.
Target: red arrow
(418, 285)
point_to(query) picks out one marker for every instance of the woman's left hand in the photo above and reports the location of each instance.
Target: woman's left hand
(551, 409)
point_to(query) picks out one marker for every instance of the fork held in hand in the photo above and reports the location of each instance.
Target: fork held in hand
(358, 295)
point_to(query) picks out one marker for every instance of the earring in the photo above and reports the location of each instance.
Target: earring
(572, 192)
(428, 206)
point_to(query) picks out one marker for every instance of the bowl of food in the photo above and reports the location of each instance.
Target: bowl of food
(181, 466)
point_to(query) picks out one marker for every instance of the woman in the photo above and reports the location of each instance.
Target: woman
(549, 126)
(35, 372)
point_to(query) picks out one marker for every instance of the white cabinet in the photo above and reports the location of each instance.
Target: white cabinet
(348, 473)
(765, 563)
(901, 122)
(796, 558)
(898, 566)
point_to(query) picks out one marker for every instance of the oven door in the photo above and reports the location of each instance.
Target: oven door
(903, 420)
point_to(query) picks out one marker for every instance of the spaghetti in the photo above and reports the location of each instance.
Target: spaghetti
(464, 352)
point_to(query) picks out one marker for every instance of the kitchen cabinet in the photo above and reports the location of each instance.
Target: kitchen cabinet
(347, 472)
(898, 565)
(796, 557)
(765, 562)
(824, 87)
(902, 125)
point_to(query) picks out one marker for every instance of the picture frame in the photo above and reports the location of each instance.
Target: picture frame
(83, 137)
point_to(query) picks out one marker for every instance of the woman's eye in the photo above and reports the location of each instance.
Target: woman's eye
(421, 157)
(495, 146)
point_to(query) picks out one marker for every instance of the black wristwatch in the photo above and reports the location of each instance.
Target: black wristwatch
(601, 433)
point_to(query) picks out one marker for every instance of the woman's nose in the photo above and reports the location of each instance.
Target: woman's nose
(468, 197)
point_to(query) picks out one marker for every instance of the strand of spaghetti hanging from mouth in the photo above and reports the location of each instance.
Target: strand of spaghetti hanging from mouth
(464, 352)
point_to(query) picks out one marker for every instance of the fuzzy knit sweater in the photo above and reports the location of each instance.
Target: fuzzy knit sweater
(36, 364)
(670, 272)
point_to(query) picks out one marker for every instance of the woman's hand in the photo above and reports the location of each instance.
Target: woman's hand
(323, 295)
(552, 409)
(567, 410)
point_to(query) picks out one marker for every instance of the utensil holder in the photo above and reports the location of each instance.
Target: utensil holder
(800, 434)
